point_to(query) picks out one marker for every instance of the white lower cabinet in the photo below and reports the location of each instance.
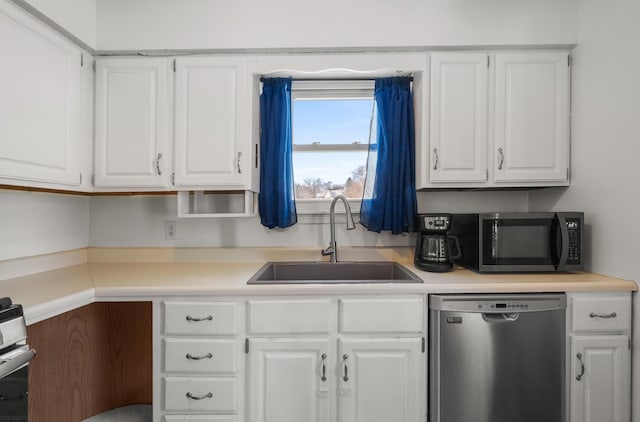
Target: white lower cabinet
(346, 363)
(601, 373)
(198, 362)
(381, 380)
(289, 380)
(377, 379)
(600, 357)
(355, 358)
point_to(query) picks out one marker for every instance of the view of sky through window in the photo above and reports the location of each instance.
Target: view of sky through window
(324, 174)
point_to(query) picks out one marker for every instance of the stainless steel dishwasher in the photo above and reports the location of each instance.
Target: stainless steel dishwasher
(498, 358)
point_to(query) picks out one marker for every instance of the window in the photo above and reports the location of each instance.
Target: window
(331, 123)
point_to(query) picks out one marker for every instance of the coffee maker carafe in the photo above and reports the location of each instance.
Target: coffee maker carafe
(435, 249)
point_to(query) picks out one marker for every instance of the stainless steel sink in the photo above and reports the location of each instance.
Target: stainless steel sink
(332, 273)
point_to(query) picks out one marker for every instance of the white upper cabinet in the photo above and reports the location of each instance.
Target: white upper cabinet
(458, 134)
(132, 123)
(532, 117)
(40, 83)
(499, 120)
(212, 144)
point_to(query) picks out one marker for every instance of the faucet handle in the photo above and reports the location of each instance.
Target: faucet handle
(327, 251)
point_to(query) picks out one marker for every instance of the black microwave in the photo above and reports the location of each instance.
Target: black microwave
(519, 242)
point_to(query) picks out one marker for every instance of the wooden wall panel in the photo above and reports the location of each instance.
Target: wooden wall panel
(89, 360)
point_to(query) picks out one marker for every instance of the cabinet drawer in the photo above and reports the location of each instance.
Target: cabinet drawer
(200, 318)
(200, 418)
(193, 355)
(382, 315)
(288, 316)
(207, 394)
(601, 313)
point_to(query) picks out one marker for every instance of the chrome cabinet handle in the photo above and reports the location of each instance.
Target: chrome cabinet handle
(158, 164)
(324, 367)
(201, 397)
(197, 319)
(611, 315)
(581, 374)
(238, 162)
(501, 164)
(344, 360)
(191, 357)
(435, 158)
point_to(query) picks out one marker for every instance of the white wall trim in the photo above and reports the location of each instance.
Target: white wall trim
(33, 11)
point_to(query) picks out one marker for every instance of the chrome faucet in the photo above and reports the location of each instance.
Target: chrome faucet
(333, 247)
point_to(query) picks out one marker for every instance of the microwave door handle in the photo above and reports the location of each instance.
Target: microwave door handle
(564, 242)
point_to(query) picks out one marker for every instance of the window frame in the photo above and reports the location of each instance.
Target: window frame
(329, 89)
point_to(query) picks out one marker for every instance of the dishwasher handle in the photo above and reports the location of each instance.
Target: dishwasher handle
(500, 318)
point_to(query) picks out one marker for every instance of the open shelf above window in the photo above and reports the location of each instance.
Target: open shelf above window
(216, 204)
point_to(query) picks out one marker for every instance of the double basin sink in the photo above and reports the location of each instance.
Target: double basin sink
(333, 273)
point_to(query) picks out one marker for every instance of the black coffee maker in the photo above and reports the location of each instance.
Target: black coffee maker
(435, 249)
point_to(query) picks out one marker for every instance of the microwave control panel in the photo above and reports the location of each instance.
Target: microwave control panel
(575, 240)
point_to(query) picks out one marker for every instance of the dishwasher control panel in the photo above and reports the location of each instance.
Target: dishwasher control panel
(497, 303)
(506, 306)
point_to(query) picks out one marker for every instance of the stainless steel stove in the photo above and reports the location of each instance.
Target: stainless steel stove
(15, 355)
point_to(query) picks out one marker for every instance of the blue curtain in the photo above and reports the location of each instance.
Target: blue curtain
(389, 201)
(276, 201)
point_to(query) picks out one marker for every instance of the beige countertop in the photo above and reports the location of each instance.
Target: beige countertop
(53, 292)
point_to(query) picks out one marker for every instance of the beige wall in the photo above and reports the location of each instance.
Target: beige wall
(606, 147)
(40, 223)
(76, 16)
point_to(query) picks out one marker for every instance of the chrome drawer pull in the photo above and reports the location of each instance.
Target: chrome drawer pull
(191, 357)
(204, 396)
(196, 319)
(324, 367)
(581, 374)
(611, 315)
(435, 158)
(345, 378)
(158, 169)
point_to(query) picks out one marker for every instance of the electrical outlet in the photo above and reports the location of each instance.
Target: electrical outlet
(170, 230)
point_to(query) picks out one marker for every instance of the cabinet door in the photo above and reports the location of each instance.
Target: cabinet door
(458, 138)
(132, 123)
(532, 117)
(39, 101)
(600, 379)
(209, 134)
(286, 380)
(382, 380)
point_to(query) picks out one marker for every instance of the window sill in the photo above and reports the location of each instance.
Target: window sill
(322, 206)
